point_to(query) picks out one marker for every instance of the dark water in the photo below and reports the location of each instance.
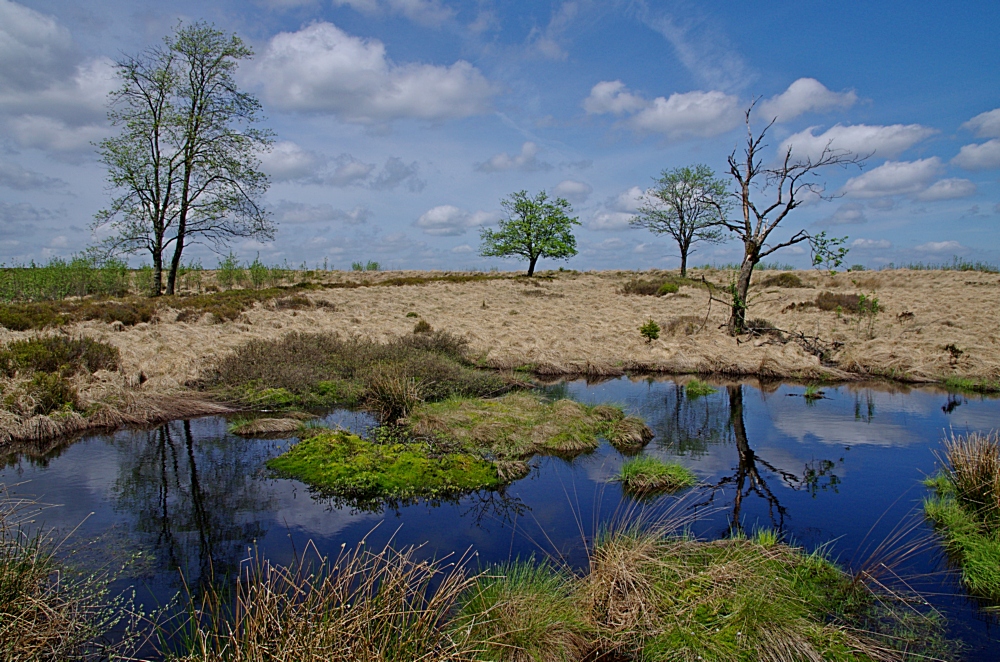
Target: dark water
(843, 472)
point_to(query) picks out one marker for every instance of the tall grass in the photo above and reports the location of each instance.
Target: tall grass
(956, 264)
(61, 278)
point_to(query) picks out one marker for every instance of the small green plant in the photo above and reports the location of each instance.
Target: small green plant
(813, 393)
(373, 266)
(229, 273)
(650, 331)
(412, 314)
(667, 288)
(828, 252)
(357, 266)
(868, 310)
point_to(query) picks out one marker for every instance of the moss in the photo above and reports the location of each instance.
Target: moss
(519, 425)
(344, 465)
(648, 475)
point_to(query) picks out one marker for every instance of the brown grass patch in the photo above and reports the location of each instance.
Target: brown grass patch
(848, 303)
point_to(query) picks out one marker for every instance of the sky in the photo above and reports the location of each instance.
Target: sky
(400, 125)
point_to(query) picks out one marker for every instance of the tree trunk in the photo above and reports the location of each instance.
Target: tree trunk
(175, 263)
(157, 285)
(684, 262)
(531, 266)
(738, 316)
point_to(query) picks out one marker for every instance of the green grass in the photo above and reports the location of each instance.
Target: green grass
(343, 465)
(519, 425)
(647, 474)
(697, 388)
(967, 385)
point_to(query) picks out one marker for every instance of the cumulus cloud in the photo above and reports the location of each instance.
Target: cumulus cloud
(287, 161)
(323, 69)
(679, 116)
(849, 213)
(885, 141)
(948, 189)
(612, 97)
(448, 220)
(894, 178)
(611, 244)
(985, 156)
(464, 248)
(939, 247)
(347, 170)
(15, 177)
(302, 213)
(395, 173)
(526, 161)
(870, 244)
(803, 96)
(574, 191)
(985, 125)
(617, 211)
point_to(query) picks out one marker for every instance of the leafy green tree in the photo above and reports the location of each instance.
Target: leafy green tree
(184, 167)
(535, 227)
(687, 203)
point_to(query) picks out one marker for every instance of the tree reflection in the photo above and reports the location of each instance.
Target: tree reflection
(196, 500)
(755, 477)
(691, 425)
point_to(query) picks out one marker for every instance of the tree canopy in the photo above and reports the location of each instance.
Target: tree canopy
(687, 203)
(535, 227)
(184, 167)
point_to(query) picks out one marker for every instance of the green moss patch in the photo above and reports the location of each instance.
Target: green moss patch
(343, 465)
(649, 475)
(519, 425)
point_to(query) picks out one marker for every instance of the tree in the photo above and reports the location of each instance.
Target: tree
(784, 187)
(687, 203)
(185, 166)
(534, 227)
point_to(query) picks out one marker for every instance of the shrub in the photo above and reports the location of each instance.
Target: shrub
(785, 279)
(843, 302)
(650, 331)
(51, 392)
(58, 354)
(667, 288)
(422, 327)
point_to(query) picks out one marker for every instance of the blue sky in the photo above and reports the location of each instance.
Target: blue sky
(400, 124)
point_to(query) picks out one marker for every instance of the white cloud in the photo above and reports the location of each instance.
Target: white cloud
(348, 170)
(464, 248)
(939, 247)
(15, 177)
(548, 42)
(885, 141)
(448, 220)
(894, 178)
(849, 213)
(611, 244)
(948, 189)
(424, 12)
(703, 51)
(302, 213)
(985, 125)
(691, 114)
(870, 244)
(48, 133)
(574, 191)
(985, 156)
(287, 161)
(526, 161)
(35, 50)
(803, 96)
(322, 69)
(394, 173)
(617, 211)
(611, 96)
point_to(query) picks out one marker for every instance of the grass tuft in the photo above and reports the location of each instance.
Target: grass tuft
(697, 388)
(647, 474)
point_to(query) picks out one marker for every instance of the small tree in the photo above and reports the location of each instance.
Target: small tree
(185, 166)
(687, 203)
(784, 187)
(534, 227)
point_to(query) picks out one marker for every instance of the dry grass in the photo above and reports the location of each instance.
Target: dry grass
(259, 426)
(591, 329)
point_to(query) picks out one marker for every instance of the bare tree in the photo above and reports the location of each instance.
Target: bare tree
(687, 203)
(185, 166)
(766, 195)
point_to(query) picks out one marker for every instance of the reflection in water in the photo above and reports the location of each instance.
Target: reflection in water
(691, 426)
(193, 500)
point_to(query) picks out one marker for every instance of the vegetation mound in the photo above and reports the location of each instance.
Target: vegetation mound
(966, 509)
(649, 475)
(343, 465)
(519, 425)
(784, 279)
(657, 286)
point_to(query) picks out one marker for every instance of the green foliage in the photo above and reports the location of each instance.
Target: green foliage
(650, 331)
(697, 388)
(967, 385)
(827, 252)
(534, 228)
(230, 272)
(667, 288)
(344, 465)
(57, 354)
(648, 475)
(868, 311)
(78, 277)
(687, 203)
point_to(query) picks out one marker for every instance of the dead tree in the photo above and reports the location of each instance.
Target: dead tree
(766, 195)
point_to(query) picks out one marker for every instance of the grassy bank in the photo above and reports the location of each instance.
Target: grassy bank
(646, 595)
(649, 475)
(966, 510)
